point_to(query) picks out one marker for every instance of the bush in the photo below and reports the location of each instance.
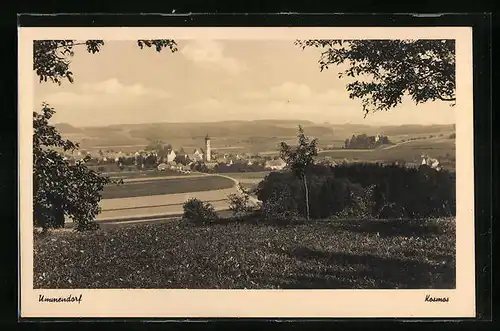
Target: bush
(414, 192)
(200, 167)
(199, 212)
(367, 190)
(239, 204)
(280, 208)
(327, 195)
(238, 167)
(362, 205)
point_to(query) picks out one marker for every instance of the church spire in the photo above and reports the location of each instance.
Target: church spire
(207, 148)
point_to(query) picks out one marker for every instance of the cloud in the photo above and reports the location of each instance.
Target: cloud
(206, 104)
(297, 93)
(211, 53)
(291, 90)
(114, 87)
(105, 93)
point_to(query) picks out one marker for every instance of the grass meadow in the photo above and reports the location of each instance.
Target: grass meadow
(166, 186)
(325, 254)
(441, 148)
(147, 174)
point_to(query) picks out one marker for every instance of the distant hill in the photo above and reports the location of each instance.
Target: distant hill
(259, 134)
(416, 129)
(67, 128)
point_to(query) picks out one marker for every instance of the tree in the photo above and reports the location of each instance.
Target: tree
(300, 158)
(424, 69)
(155, 145)
(61, 188)
(52, 58)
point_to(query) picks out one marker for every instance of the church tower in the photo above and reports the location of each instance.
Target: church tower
(207, 148)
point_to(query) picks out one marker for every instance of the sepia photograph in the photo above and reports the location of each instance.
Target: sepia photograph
(279, 162)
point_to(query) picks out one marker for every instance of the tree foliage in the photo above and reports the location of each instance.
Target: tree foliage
(300, 158)
(386, 70)
(363, 141)
(52, 58)
(60, 188)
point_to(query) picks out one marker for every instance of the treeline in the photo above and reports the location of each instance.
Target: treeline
(140, 162)
(229, 168)
(240, 167)
(364, 141)
(362, 190)
(159, 147)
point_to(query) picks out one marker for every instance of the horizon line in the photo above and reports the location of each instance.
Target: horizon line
(260, 120)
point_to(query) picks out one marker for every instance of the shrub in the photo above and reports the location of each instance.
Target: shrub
(368, 189)
(420, 192)
(200, 167)
(199, 212)
(327, 195)
(239, 204)
(361, 206)
(280, 207)
(238, 167)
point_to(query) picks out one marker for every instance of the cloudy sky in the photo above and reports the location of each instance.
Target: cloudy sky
(214, 80)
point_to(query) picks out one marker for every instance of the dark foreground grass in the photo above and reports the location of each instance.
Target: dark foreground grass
(237, 255)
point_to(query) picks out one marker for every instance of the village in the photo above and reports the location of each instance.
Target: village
(205, 159)
(182, 161)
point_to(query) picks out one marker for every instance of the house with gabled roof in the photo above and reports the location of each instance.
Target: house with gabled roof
(197, 155)
(170, 155)
(277, 164)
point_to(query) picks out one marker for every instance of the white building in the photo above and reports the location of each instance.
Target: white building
(197, 155)
(278, 164)
(431, 162)
(171, 156)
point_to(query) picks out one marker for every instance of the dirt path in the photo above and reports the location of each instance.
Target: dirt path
(253, 200)
(396, 145)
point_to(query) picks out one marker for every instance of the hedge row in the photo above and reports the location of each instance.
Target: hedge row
(392, 190)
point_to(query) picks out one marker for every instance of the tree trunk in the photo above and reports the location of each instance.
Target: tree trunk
(307, 198)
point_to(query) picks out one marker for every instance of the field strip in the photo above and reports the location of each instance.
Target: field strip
(126, 180)
(154, 206)
(152, 212)
(148, 179)
(161, 199)
(168, 218)
(398, 144)
(370, 150)
(145, 218)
